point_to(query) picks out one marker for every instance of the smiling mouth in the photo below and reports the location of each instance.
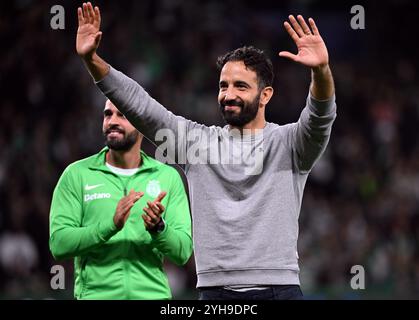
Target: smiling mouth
(231, 108)
(114, 133)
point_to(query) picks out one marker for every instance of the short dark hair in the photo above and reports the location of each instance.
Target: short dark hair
(254, 59)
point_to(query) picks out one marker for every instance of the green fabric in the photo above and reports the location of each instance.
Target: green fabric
(112, 264)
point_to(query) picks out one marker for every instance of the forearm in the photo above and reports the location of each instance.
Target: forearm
(68, 242)
(149, 117)
(174, 244)
(96, 66)
(312, 131)
(322, 86)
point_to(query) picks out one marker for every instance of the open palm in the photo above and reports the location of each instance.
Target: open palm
(88, 34)
(312, 51)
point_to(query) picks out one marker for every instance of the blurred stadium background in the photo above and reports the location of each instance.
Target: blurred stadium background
(361, 204)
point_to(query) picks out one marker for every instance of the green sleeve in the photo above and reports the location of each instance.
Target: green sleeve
(175, 241)
(68, 238)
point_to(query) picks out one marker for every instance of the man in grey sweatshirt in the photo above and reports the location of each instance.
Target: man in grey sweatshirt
(246, 179)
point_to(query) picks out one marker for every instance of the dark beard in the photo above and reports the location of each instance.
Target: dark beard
(248, 111)
(123, 144)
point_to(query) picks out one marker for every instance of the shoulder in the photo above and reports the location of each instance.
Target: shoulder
(168, 174)
(163, 168)
(273, 129)
(74, 172)
(276, 134)
(81, 164)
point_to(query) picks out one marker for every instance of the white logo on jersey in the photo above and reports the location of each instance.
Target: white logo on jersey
(94, 196)
(153, 188)
(87, 187)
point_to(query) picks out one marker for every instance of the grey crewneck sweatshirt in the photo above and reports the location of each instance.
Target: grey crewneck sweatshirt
(246, 190)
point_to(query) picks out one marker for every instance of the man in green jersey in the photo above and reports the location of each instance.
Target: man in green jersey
(119, 213)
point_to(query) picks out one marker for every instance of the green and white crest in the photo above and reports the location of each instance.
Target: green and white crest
(153, 188)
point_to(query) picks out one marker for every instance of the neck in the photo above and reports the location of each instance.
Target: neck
(129, 159)
(257, 123)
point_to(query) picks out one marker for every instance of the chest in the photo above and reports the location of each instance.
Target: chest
(102, 192)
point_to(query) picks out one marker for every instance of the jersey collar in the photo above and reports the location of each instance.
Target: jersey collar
(99, 162)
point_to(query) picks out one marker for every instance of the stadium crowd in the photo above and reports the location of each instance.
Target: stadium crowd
(361, 202)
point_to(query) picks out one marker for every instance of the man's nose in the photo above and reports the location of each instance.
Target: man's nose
(230, 94)
(113, 119)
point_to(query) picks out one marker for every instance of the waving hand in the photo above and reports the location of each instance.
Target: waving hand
(312, 51)
(88, 34)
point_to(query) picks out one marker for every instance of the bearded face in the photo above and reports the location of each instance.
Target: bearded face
(238, 112)
(239, 95)
(118, 139)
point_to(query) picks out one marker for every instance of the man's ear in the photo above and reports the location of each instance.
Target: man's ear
(266, 95)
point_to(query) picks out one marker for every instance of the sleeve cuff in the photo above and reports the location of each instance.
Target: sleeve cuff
(321, 107)
(107, 229)
(160, 235)
(108, 80)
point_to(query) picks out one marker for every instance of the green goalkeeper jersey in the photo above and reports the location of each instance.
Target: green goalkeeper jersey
(124, 264)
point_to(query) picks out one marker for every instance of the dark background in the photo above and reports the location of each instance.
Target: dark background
(361, 203)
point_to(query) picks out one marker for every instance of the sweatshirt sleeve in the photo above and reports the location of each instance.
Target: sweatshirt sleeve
(147, 115)
(309, 136)
(68, 238)
(175, 241)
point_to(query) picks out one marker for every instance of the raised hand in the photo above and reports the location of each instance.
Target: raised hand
(312, 51)
(123, 208)
(88, 34)
(153, 212)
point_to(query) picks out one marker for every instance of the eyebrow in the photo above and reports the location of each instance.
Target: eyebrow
(241, 83)
(236, 83)
(108, 112)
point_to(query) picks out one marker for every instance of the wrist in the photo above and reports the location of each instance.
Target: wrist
(90, 57)
(118, 226)
(96, 66)
(159, 227)
(321, 69)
